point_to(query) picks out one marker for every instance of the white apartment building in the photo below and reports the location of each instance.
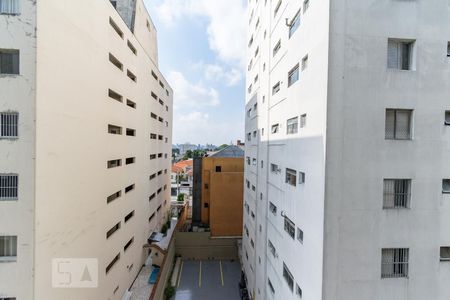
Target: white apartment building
(85, 144)
(347, 150)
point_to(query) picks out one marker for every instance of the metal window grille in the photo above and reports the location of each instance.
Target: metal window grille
(9, 61)
(396, 193)
(400, 54)
(289, 227)
(291, 177)
(9, 187)
(288, 277)
(398, 124)
(8, 246)
(9, 125)
(293, 75)
(394, 262)
(10, 7)
(292, 125)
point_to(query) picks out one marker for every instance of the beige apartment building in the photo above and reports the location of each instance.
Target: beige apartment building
(85, 146)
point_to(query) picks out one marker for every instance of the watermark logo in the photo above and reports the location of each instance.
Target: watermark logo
(75, 272)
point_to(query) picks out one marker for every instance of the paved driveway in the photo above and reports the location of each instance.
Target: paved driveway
(212, 279)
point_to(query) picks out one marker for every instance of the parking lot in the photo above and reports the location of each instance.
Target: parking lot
(211, 279)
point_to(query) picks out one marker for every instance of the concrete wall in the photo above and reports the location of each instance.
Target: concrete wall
(223, 193)
(200, 245)
(17, 156)
(73, 146)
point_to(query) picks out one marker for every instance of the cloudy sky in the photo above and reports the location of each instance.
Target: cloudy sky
(202, 54)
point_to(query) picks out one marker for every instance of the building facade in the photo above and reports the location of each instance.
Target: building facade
(346, 193)
(86, 122)
(218, 192)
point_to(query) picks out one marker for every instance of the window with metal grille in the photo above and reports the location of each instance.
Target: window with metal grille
(293, 75)
(289, 227)
(287, 275)
(274, 128)
(295, 23)
(291, 177)
(9, 7)
(446, 186)
(8, 247)
(394, 262)
(400, 54)
(396, 193)
(398, 124)
(9, 123)
(272, 208)
(272, 248)
(277, 48)
(9, 184)
(292, 126)
(9, 61)
(276, 88)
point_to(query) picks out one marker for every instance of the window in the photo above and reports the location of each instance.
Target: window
(394, 262)
(295, 23)
(396, 193)
(128, 244)
(114, 95)
(153, 116)
(9, 61)
(302, 120)
(112, 230)
(131, 103)
(292, 126)
(154, 96)
(131, 76)
(447, 117)
(288, 277)
(272, 248)
(445, 253)
(277, 47)
(446, 186)
(304, 62)
(9, 7)
(130, 160)
(274, 168)
(161, 84)
(153, 136)
(249, 136)
(112, 263)
(131, 132)
(151, 217)
(276, 88)
(115, 62)
(8, 248)
(152, 156)
(254, 161)
(274, 128)
(272, 208)
(113, 197)
(293, 75)
(132, 48)
(113, 129)
(129, 188)
(153, 176)
(300, 235)
(301, 177)
(269, 283)
(114, 163)
(400, 54)
(298, 291)
(305, 5)
(277, 8)
(218, 169)
(152, 196)
(115, 27)
(398, 124)
(9, 123)
(154, 75)
(129, 216)
(289, 227)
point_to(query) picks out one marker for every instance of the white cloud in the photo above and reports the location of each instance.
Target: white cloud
(226, 24)
(219, 74)
(187, 94)
(199, 128)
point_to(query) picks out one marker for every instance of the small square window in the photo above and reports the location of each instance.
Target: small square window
(445, 253)
(218, 169)
(446, 186)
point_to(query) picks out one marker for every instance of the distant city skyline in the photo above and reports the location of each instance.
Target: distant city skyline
(205, 69)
